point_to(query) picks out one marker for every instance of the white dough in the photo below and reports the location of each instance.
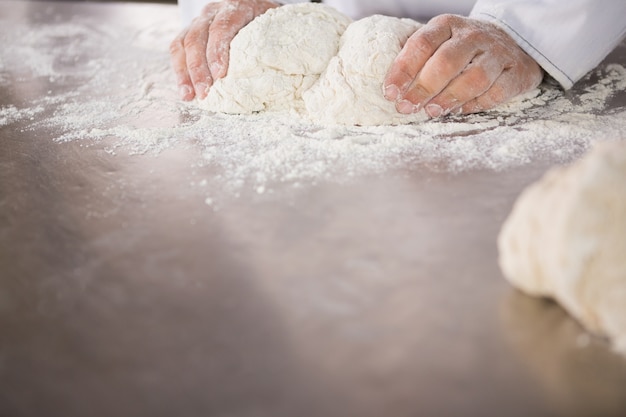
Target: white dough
(350, 91)
(566, 239)
(277, 59)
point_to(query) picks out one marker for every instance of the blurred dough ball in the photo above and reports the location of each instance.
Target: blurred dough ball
(566, 239)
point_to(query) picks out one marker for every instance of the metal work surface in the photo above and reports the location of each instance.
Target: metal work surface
(122, 293)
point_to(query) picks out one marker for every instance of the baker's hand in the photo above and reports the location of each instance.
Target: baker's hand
(460, 65)
(199, 54)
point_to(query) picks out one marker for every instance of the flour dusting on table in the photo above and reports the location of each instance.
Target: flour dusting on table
(118, 85)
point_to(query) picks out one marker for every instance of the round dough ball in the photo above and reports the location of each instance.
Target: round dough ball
(350, 91)
(566, 239)
(276, 57)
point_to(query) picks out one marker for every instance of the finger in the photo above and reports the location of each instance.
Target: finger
(179, 64)
(503, 89)
(195, 44)
(415, 53)
(227, 23)
(448, 62)
(512, 82)
(472, 82)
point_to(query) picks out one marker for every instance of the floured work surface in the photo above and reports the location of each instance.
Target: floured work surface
(159, 259)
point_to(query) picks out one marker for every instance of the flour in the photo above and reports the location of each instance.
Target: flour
(138, 111)
(9, 115)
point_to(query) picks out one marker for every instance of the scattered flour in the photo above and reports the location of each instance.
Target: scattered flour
(116, 83)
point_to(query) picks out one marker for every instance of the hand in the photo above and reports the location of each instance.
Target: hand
(199, 54)
(461, 65)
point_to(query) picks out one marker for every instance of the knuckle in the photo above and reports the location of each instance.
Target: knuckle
(446, 64)
(192, 38)
(210, 8)
(473, 36)
(223, 24)
(195, 69)
(479, 79)
(445, 19)
(423, 44)
(419, 92)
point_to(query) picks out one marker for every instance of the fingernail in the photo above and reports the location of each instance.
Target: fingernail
(391, 92)
(185, 92)
(406, 107)
(434, 110)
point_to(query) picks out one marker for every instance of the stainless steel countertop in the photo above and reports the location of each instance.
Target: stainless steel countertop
(121, 294)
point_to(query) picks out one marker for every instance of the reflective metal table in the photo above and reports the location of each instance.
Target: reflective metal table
(121, 294)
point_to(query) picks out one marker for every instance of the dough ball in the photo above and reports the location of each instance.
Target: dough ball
(350, 91)
(276, 57)
(566, 239)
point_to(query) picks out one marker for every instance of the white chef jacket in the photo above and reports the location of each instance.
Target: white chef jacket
(567, 38)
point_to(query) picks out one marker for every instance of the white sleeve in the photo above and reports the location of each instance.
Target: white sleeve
(420, 10)
(567, 38)
(192, 8)
(356, 9)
